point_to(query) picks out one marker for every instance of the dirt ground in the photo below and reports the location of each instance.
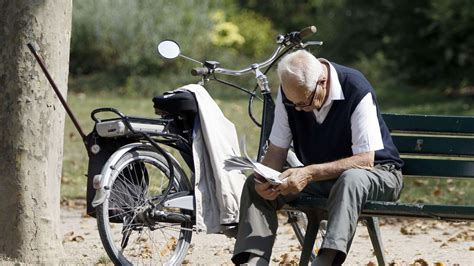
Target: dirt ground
(406, 242)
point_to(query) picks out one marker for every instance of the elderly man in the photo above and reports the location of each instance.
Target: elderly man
(331, 114)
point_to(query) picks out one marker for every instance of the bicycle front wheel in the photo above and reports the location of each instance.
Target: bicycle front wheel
(127, 220)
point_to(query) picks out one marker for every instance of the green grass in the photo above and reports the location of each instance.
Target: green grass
(235, 108)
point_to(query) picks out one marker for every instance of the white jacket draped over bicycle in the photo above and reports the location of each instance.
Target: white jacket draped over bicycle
(217, 191)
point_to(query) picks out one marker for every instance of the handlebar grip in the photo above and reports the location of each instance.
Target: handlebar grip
(200, 71)
(307, 31)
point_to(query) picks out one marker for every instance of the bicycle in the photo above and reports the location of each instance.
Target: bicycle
(136, 183)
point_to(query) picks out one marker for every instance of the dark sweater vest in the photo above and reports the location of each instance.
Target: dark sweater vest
(332, 140)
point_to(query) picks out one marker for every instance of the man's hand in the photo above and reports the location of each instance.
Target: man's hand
(294, 180)
(266, 190)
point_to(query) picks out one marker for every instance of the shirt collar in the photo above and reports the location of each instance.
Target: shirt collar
(335, 91)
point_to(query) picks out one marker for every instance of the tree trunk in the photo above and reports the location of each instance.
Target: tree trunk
(32, 126)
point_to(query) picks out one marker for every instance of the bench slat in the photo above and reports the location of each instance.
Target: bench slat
(434, 145)
(452, 124)
(438, 168)
(463, 212)
(382, 208)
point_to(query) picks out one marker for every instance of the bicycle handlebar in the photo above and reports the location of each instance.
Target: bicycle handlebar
(307, 32)
(199, 71)
(292, 38)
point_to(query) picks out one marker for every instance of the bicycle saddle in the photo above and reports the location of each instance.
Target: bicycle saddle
(175, 103)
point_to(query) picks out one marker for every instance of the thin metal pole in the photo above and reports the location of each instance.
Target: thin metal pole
(34, 48)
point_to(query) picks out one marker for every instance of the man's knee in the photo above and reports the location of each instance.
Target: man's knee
(353, 177)
(352, 181)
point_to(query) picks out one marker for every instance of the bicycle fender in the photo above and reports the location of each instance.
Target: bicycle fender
(102, 180)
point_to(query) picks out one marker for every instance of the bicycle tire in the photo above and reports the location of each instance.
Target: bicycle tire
(132, 187)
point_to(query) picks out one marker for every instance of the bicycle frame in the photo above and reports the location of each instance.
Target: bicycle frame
(267, 122)
(289, 42)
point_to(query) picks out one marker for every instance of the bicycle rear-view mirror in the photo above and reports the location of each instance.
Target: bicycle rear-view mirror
(169, 49)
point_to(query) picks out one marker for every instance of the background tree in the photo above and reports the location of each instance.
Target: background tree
(423, 43)
(32, 122)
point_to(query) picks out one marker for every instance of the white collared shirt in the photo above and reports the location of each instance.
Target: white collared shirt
(365, 127)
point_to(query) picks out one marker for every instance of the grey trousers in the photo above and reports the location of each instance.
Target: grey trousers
(346, 196)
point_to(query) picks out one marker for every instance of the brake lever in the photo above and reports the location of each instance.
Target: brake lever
(311, 43)
(290, 38)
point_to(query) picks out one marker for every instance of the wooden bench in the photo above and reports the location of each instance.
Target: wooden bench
(431, 147)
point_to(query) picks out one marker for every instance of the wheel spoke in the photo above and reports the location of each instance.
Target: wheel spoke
(141, 177)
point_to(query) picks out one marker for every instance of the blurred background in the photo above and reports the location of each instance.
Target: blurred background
(418, 55)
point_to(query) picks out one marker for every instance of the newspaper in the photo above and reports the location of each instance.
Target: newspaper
(245, 163)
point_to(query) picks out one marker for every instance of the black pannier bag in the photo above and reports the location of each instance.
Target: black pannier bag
(97, 161)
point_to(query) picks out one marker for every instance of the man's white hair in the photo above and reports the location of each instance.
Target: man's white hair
(301, 67)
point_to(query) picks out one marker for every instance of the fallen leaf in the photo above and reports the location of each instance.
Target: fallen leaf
(420, 182)
(438, 264)
(284, 258)
(471, 248)
(170, 246)
(405, 230)
(439, 226)
(78, 239)
(371, 263)
(437, 192)
(68, 237)
(421, 262)
(297, 248)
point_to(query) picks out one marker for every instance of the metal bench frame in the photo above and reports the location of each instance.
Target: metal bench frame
(431, 146)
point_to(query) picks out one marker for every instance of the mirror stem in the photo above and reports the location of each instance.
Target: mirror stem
(189, 58)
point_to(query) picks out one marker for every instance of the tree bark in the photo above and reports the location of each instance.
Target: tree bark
(32, 126)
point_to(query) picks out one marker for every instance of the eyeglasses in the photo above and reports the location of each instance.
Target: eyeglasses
(289, 103)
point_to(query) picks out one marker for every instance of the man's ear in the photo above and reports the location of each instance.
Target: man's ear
(319, 96)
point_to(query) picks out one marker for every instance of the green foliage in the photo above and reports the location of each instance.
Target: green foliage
(377, 69)
(120, 36)
(427, 42)
(113, 44)
(257, 40)
(225, 33)
(424, 43)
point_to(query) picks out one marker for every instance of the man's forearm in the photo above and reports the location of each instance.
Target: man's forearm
(275, 157)
(334, 169)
